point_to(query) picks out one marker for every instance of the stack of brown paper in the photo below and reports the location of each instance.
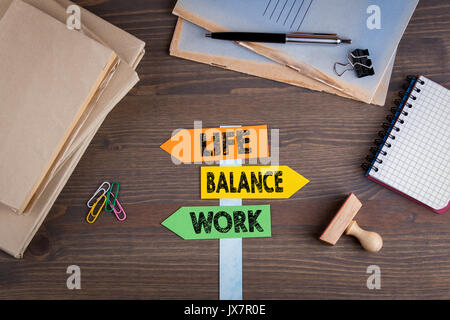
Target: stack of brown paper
(16, 231)
(42, 100)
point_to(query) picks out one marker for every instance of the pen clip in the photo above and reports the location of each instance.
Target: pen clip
(315, 34)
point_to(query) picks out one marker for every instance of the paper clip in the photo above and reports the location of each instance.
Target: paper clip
(109, 204)
(95, 216)
(120, 215)
(101, 190)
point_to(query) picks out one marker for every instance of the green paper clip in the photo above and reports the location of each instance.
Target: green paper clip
(110, 207)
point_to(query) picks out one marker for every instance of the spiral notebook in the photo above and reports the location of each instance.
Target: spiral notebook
(413, 157)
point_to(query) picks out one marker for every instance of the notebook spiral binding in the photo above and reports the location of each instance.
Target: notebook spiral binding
(393, 125)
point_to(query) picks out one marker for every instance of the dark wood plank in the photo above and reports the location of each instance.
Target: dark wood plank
(323, 137)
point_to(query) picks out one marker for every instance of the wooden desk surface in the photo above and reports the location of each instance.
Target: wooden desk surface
(322, 136)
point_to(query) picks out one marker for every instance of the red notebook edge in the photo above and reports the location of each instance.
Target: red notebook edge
(438, 211)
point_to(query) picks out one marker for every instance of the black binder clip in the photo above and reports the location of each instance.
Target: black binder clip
(359, 61)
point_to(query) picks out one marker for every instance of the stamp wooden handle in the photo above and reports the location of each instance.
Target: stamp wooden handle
(371, 241)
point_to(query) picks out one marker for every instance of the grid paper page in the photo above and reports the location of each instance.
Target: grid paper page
(418, 161)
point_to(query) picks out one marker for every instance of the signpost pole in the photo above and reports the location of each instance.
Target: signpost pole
(230, 254)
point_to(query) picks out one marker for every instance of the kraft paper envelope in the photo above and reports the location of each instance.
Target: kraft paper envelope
(58, 11)
(58, 72)
(347, 18)
(189, 42)
(16, 232)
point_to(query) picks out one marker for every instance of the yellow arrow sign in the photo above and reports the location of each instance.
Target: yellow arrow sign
(252, 182)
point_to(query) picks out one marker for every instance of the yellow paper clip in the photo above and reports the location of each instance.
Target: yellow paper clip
(95, 216)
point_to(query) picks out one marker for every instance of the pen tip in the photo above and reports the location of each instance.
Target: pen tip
(208, 35)
(346, 40)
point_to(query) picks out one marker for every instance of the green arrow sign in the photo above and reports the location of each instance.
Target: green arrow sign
(219, 222)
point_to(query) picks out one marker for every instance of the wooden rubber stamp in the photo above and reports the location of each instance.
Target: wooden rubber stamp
(343, 222)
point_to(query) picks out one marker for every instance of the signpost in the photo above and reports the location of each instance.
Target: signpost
(220, 222)
(251, 182)
(216, 144)
(231, 221)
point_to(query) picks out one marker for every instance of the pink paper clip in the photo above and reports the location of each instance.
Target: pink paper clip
(120, 215)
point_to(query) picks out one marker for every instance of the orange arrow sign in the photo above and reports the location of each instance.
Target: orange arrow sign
(215, 144)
